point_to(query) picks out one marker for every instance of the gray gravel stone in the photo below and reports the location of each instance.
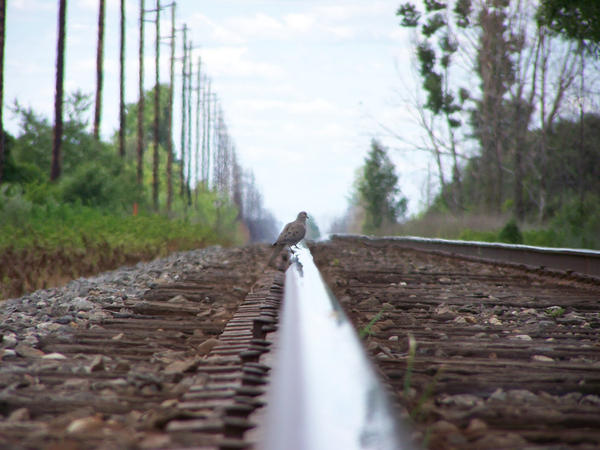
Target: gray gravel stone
(80, 302)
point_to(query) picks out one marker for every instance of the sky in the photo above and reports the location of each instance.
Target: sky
(304, 85)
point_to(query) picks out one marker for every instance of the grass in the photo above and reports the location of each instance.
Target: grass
(555, 311)
(51, 244)
(558, 232)
(367, 330)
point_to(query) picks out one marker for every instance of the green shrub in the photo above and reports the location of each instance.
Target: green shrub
(510, 233)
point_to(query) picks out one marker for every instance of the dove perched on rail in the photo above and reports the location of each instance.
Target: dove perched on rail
(292, 233)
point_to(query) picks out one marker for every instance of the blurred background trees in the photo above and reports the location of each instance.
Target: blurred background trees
(508, 111)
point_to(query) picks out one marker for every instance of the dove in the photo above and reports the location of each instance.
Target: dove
(291, 234)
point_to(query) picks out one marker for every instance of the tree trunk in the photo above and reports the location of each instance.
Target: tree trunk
(99, 69)
(170, 119)
(2, 35)
(140, 118)
(155, 156)
(122, 82)
(58, 96)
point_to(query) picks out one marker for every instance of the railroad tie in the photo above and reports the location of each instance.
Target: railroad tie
(215, 413)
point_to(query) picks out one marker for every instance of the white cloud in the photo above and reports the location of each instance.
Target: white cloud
(258, 25)
(234, 62)
(32, 5)
(299, 22)
(311, 106)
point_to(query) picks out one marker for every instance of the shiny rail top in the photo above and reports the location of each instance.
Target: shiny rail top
(324, 393)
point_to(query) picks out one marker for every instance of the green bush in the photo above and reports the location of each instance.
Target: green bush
(510, 233)
(577, 222)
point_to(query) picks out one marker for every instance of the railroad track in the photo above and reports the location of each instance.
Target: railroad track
(481, 355)
(472, 354)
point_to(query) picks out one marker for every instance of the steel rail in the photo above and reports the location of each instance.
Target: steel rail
(581, 261)
(324, 393)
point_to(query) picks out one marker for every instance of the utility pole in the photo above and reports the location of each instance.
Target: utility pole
(140, 117)
(155, 156)
(122, 82)
(198, 92)
(216, 144)
(207, 99)
(189, 126)
(183, 112)
(170, 120)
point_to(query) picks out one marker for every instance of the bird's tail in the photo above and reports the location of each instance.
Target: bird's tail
(276, 250)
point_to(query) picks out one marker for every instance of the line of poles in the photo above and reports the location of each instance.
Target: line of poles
(213, 150)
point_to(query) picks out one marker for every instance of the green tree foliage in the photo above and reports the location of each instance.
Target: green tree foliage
(436, 50)
(92, 174)
(378, 190)
(575, 19)
(312, 229)
(131, 111)
(34, 144)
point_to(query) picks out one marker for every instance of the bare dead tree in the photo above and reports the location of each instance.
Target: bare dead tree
(99, 69)
(122, 81)
(2, 36)
(558, 67)
(140, 115)
(55, 169)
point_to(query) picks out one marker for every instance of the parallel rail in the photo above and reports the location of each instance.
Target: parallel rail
(580, 261)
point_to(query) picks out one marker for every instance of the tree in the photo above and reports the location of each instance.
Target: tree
(55, 168)
(436, 47)
(378, 191)
(496, 72)
(99, 69)
(312, 229)
(518, 72)
(34, 143)
(578, 20)
(2, 35)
